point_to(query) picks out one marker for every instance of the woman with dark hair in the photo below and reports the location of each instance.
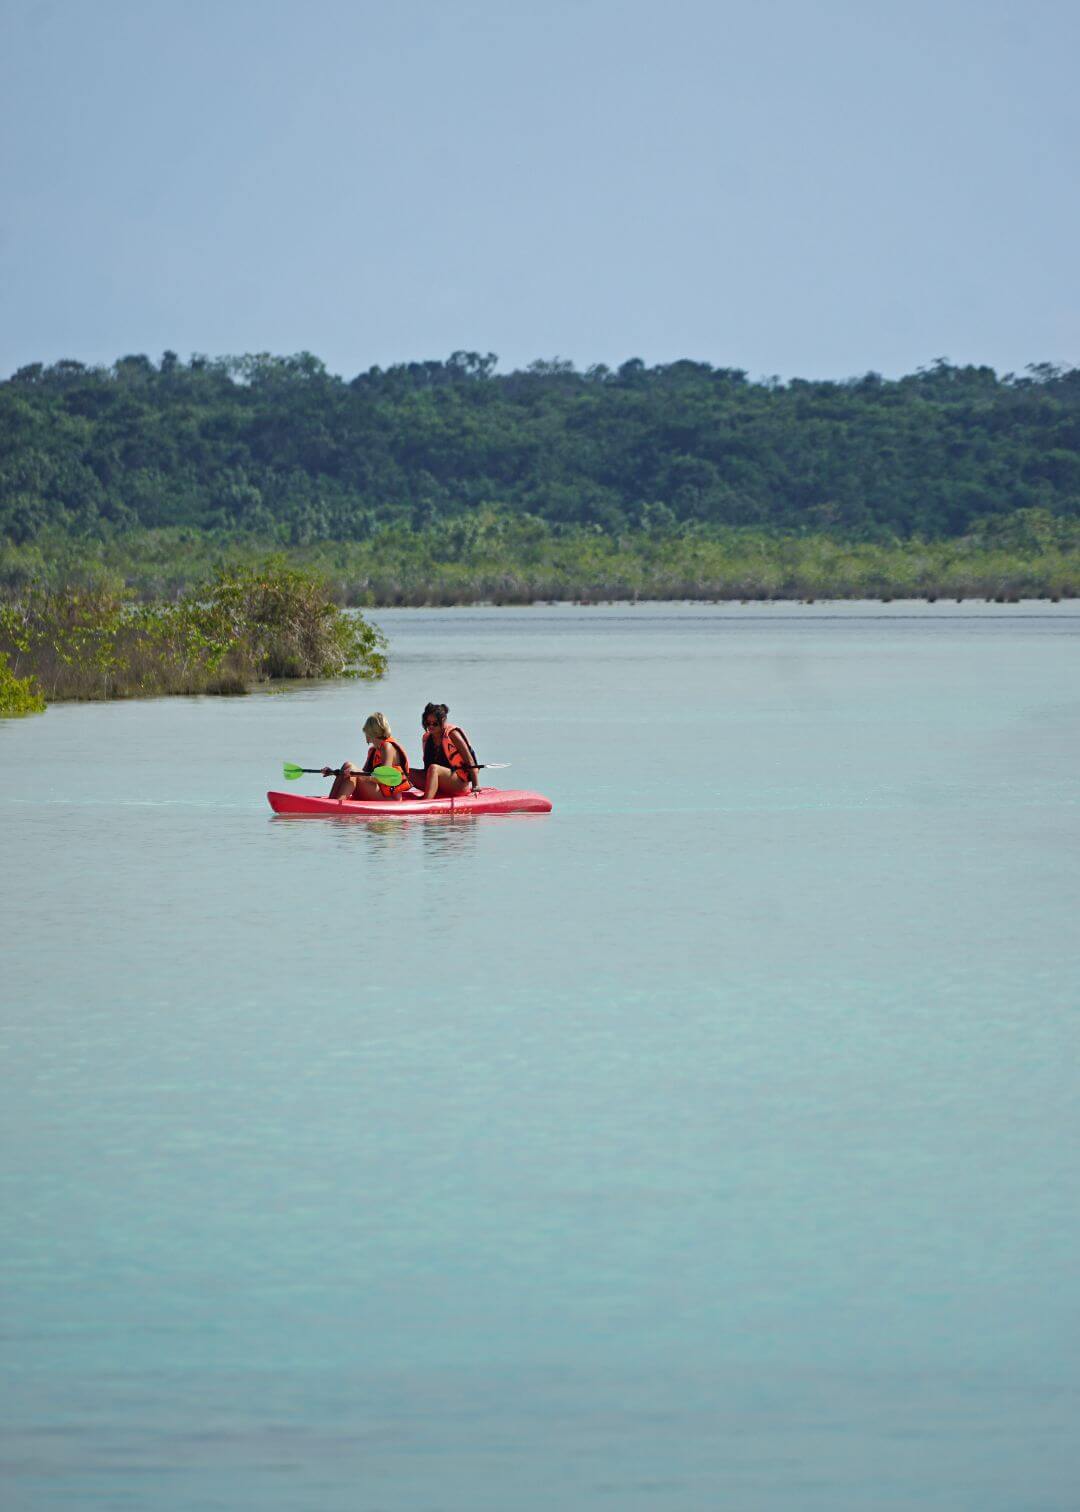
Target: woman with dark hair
(450, 769)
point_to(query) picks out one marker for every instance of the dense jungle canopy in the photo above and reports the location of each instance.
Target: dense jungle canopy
(279, 448)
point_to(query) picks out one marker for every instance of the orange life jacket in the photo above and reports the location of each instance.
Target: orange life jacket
(454, 759)
(389, 753)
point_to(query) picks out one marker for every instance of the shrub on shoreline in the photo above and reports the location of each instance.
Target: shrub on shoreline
(18, 695)
(247, 625)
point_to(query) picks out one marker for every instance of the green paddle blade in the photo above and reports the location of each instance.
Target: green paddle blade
(292, 771)
(389, 776)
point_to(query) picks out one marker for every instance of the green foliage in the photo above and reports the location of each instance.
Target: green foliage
(288, 625)
(446, 482)
(18, 695)
(278, 450)
(516, 559)
(246, 624)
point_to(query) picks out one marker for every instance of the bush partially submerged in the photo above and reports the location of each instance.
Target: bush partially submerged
(290, 627)
(249, 624)
(18, 695)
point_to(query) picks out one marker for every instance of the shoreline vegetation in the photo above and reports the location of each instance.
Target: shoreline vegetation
(498, 559)
(139, 503)
(175, 611)
(246, 625)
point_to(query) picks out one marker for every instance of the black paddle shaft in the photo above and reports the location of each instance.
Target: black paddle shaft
(337, 771)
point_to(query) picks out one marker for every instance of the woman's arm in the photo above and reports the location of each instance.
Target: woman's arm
(463, 746)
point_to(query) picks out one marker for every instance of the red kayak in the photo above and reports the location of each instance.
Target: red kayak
(486, 801)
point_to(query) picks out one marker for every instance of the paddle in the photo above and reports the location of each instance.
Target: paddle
(388, 775)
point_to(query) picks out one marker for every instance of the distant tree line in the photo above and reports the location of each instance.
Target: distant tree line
(279, 448)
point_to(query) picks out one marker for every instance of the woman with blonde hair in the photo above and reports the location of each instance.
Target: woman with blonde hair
(383, 751)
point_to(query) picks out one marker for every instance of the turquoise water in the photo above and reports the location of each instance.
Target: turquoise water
(710, 1141)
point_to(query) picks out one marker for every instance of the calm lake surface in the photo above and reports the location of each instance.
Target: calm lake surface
(709, 1142)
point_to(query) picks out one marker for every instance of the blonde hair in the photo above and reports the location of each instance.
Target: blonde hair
(377, 727)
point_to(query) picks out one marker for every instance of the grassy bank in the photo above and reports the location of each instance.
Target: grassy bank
(244, 625)
(517, 560)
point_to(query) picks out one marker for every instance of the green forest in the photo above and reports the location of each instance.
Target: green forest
(158, 471)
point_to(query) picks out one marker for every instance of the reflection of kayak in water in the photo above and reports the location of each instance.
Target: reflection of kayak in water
(486, 801)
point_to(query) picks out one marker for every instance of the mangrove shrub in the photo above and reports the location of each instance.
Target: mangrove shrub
(18, 695)
(248, 624)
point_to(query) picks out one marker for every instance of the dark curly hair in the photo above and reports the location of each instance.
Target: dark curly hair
(440, 712)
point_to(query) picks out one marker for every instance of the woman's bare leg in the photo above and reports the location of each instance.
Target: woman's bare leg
(354, 785)
(343, 786)
(442, 783)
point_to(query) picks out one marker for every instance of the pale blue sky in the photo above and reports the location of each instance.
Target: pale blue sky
(810, 189)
